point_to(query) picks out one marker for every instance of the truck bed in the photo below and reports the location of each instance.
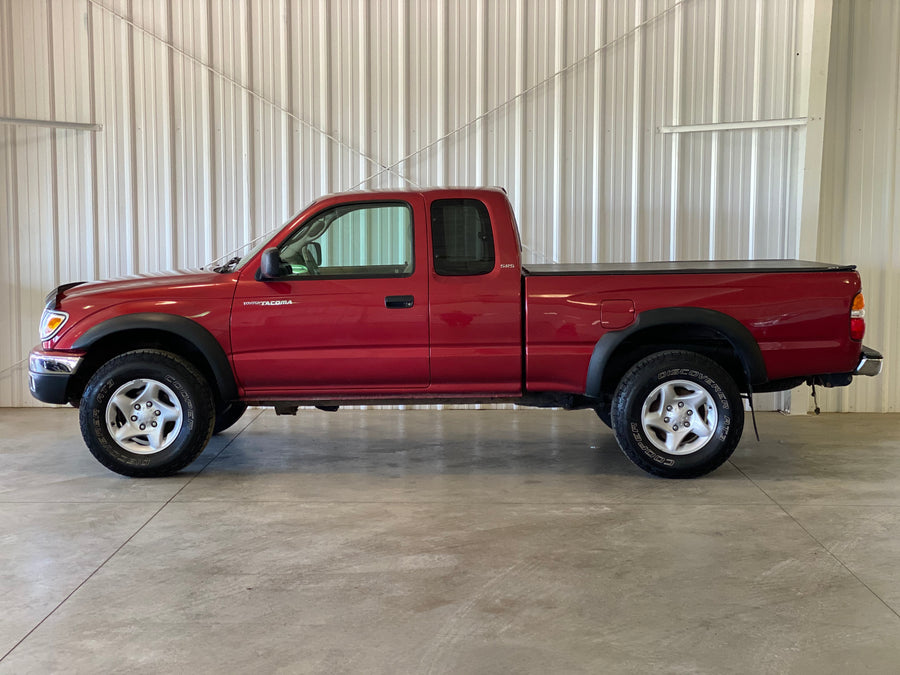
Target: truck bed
(688, 267)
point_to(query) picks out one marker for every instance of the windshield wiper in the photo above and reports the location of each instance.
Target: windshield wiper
(227, 267)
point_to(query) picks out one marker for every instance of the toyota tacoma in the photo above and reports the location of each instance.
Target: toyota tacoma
(418, 297)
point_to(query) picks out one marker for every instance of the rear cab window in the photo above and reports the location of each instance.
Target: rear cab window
(461, 238)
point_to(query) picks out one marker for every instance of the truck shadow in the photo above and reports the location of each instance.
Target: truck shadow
(420, 442)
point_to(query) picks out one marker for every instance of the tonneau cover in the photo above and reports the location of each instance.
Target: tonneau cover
(687, 267)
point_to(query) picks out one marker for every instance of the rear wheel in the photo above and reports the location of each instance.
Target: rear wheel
(677, 414)
(146, 413)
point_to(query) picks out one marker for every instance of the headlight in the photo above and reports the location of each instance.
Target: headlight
(51, 322)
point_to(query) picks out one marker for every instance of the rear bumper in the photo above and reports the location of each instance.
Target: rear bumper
(49, 374)
(870, 362)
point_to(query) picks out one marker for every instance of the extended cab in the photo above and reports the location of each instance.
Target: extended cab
(421, 296)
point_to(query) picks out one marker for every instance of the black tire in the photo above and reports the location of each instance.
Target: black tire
(706, 408)
(604, 412)
(228, 415)
(181, 419)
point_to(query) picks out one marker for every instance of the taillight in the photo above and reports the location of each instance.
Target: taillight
(858, 317)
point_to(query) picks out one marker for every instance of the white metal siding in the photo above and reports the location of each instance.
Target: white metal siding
(220, 120)
(860, 212)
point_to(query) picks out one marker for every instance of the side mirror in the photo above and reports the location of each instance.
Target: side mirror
(270, 264)
(316, 250)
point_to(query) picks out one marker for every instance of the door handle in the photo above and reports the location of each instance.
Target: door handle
(399, 301)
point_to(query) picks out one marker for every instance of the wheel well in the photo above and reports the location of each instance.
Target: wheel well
(690, 337)
(114, 344)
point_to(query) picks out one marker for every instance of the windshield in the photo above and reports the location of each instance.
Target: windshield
(239, 257)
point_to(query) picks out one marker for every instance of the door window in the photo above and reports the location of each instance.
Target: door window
(356, 240)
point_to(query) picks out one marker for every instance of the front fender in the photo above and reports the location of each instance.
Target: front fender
(180, 326)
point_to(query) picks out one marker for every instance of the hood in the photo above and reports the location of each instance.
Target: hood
(159, 284)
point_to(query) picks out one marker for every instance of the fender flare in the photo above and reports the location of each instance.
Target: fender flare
(740, 338)
(179, 326)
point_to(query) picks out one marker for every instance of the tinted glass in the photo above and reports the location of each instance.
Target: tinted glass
(461, 237)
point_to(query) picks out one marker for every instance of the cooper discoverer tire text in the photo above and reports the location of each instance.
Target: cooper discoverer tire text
(677, 414)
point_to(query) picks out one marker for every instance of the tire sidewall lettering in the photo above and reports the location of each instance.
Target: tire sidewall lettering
(640, 440)
(640, 381)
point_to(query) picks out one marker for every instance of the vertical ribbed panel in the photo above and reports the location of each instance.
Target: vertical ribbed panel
(860, 209)
(220, 120)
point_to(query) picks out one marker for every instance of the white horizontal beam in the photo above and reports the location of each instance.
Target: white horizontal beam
(51, 124)
(734, 126)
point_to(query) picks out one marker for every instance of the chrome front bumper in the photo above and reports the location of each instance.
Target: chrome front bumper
(870, 362)
(49, 375)
(42, 363)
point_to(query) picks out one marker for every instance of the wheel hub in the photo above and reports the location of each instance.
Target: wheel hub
(679, 417)
(144, 416)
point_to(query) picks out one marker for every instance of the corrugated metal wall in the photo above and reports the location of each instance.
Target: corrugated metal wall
(222, 119)
(860, 211)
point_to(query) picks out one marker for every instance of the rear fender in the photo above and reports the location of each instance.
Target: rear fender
(738, 336)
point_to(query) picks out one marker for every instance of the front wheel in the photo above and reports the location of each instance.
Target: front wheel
(677, 414)
(604, 412)
(146, 413)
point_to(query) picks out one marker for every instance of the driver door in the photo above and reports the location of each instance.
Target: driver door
(348, 314)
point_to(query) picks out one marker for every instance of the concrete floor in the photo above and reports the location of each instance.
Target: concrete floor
(457, 541)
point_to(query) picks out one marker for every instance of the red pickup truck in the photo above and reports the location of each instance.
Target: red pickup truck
(420, 297)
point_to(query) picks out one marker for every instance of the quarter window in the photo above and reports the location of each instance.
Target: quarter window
(461, 237)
